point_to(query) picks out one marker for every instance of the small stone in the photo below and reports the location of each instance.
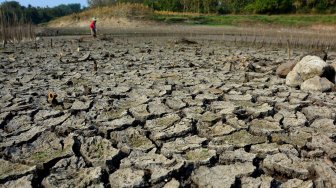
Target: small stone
(11, 170)
(324, 143)
(80, 105)
(295, 138)
(172, 184)
(324, 126)
(200, 156)
(47, 147)
(238, 139)
(317, 84)
(140, 113)
(98, 151)
(158, 108)
(160, 167)
(219, 129)
(260, 111)
(176, 130)
(291, 167)
(285, 68)
(239, 155)
(246, 97)
(133, 138)
(193, 112)
(221, 175)
(264, 127)
(224, 107)
(297, 183)
(249, 182)
(207, 97)
(127, 177)
(318, 112)
(111, 115)
(46, 114)
(181, 145)
(118, 124)
(24, 182)
(23, 137)
(81, 178)
(262, 150)
(294, 120)
(325, 173)
(210, 117)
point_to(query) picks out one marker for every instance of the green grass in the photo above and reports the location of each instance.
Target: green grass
(236, 20)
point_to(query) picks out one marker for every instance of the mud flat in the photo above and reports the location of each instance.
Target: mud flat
(159, 112)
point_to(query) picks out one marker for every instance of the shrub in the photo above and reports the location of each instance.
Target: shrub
(270, 6)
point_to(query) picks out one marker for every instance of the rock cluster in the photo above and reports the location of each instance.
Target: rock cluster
(149, 112)
(310, 74)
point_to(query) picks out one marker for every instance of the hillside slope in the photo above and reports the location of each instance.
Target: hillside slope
(128, 15)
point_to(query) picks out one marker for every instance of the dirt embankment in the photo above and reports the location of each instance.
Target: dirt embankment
(106, 22)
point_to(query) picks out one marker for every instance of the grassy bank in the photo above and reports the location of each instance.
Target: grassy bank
(240, 20)
(124, 10)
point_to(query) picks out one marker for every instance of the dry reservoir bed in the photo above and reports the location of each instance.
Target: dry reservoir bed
(159, 111)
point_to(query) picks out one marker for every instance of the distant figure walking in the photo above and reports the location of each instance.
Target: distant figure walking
(93, 27)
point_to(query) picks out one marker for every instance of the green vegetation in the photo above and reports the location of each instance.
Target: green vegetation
(206, 12)
(40, 156)
(231, 6)
(236, 20)
(12, 11)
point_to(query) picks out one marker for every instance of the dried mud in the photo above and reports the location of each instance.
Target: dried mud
(160, 112)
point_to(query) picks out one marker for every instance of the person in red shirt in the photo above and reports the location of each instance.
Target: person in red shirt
(93, 27)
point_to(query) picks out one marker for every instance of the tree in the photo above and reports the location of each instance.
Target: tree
(271, 6)
(14, 12)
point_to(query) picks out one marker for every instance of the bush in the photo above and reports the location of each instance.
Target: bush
(270, 6)
(232, 6)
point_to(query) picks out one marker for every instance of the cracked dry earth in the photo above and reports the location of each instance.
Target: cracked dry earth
(159, 112)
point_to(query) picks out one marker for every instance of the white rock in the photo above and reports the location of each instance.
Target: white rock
(317, 84)
(308, 67)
